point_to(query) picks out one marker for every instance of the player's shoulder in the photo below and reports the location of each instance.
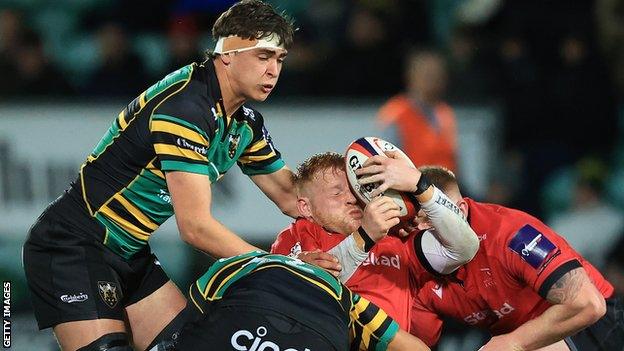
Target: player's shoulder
(190, 100)
(304, 226)
(495, 222)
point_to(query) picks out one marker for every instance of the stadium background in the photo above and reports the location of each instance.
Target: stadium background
(537, 87)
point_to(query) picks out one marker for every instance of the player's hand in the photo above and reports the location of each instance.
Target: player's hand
(380, 215)
(392, 172)
(501, 343)
(322, 259)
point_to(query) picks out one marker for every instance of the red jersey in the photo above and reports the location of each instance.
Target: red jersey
(386, 278)
(506, 283)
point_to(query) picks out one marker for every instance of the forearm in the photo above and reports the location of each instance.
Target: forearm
(350, 254)
(451, 230)
(556, 323)
(215, 239)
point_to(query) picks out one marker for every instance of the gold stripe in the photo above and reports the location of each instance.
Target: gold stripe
(167, 149)
(84, 190)
(127, 226)
(176, 129)
(157, 172)
(140, 216)
(142, 101)
(122, 120)
(248, 159)
(214, 277)
(257, 146)
(376, 322)
(193, 299)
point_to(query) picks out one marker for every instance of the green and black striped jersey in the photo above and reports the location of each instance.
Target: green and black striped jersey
(304, 292)
(178, 124)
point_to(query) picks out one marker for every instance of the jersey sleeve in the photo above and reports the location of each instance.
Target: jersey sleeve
(425, 323)
(537, 255)
(261, 156)
(181, 132)
(371, 327)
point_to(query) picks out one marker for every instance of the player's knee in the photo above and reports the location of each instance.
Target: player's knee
(109, 342)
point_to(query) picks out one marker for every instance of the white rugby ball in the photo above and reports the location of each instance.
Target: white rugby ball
(357, 153)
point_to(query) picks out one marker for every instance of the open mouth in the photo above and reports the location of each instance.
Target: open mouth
(266, 88)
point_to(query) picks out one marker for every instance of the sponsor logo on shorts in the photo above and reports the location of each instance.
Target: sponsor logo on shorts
(74, 298)
(244, 340)
(109, 293)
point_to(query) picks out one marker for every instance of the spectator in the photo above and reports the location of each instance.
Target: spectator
(120, 73)
(588, 209)
(183, 39)
(35, 75)
(419, 121)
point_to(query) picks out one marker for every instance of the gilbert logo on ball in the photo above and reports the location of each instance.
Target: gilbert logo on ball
(357, 153)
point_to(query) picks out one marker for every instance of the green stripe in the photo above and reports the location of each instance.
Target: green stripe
(107, 139)
(148, 193)
(271, 168)
(387, 336)
(118, 240)
(180, 122)
(205, 169)
(171, 79)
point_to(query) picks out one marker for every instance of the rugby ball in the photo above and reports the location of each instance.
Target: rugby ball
(357, 153)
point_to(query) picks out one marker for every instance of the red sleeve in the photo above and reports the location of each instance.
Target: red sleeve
(537, 255)
(425, 323)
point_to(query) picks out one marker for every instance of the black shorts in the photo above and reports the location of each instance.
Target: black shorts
(73, 277)
(607, 334)
(249, 328)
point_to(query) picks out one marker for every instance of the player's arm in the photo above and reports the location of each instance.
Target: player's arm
(577, 304)
(278, 186)
(379, 216)
(191, 199)
(404, 341)
(452, 242)
(375, 330)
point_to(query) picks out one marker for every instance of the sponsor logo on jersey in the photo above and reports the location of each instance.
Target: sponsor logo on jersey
(109, 293)
(532, 246)
(437, 289)
(249, 113)
(476, 317)
(185, 144)
(74, 298)
(295, 250)
(383, 260)
(164, 195)
(233, 144)
(244, 340)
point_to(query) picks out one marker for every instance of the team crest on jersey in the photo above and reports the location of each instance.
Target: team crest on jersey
(109, 293)
(234, 140)
(532, 246)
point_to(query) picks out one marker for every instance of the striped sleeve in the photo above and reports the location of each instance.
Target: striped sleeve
(372, 328)
(181, 146)
(261, 156)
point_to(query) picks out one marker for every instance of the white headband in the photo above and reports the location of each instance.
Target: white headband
(235, 43)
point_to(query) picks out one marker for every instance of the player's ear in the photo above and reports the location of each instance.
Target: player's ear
(463, 207)
(226, 59)
(303, 205)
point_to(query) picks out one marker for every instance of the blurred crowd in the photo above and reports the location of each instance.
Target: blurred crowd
(555, 70)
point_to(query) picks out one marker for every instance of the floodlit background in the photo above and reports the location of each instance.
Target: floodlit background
(536, 87)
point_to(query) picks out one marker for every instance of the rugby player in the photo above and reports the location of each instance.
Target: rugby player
(89, 267)
(525, 285)
(383, 269)
(261, 301)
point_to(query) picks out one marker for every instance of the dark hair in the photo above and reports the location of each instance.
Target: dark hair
(253, 19)
(440, 176)
(318, 164)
